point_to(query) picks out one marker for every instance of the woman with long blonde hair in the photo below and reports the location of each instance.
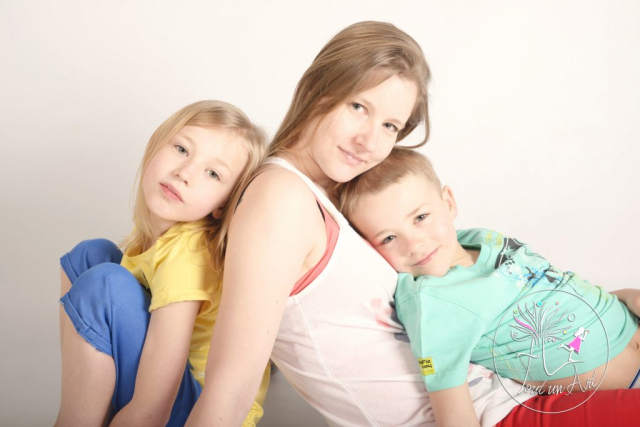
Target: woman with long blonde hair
(301, 287)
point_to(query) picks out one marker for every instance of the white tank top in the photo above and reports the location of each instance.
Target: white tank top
(342, 349)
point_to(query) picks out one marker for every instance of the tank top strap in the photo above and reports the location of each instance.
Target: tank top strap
(320, 196)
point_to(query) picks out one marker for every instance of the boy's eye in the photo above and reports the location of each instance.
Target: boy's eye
(180, 149)
(391, 127)
(387, 239)
(213, 174)
(421, 217)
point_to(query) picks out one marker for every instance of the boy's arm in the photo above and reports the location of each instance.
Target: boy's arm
(162, 365)
(453, 407)
(630, 298)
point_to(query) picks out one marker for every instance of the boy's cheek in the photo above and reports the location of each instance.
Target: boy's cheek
(395, 261)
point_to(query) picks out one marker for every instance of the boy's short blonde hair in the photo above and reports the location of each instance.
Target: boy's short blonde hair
(401, 162)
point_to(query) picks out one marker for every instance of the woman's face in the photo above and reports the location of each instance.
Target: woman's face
(361, 131)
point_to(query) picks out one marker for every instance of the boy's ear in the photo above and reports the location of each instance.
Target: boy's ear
(447, 196)
(217, 213)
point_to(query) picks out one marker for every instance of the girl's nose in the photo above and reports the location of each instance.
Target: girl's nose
(184, 173)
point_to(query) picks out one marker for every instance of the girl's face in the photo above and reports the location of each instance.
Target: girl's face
(361, 131)
(192, 176)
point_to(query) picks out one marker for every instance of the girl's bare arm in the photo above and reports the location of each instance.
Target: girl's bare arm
(162, 365)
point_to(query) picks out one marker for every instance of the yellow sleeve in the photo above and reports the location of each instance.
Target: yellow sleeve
(183, 274)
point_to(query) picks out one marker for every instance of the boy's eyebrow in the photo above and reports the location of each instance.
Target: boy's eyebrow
(416, 210)
(411, 214)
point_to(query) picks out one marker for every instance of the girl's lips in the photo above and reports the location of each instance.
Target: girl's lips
(351, 158)
(171, 192)
(427, 259)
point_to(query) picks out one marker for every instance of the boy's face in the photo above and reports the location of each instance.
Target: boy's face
(410, 224)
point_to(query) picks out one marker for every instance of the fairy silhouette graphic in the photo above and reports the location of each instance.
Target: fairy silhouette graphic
(574, 345)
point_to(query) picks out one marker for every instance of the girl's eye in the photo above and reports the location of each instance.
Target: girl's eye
(214, 175)
(180, 149)
(387, 239)
(421, 218)
(357, 107)
(391, 127)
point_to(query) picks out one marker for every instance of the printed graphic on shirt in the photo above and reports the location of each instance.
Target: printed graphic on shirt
(553, 322)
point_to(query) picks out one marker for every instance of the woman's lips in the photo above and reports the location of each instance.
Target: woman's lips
(427, 259)
(351, 158)
(171, 192)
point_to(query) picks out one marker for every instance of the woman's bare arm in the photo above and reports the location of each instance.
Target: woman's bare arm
(272, 233)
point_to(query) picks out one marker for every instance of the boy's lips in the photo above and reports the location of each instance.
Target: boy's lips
(427, 259)
(171, 192)
(352, 159)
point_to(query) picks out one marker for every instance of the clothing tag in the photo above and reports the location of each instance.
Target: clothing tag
(426, 366)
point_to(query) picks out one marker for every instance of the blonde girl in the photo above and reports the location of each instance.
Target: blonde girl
(151, 311)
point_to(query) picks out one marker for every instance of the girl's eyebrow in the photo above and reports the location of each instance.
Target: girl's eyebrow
(221, 164)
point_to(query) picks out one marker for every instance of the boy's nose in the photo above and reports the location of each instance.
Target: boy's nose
(415, 245)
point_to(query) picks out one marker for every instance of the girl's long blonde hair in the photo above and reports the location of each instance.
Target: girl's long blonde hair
(211, 114)
(358, 58)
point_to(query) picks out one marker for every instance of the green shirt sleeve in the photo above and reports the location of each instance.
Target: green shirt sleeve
(442, 335)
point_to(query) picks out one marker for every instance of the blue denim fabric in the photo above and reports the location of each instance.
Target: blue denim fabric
(110, 310)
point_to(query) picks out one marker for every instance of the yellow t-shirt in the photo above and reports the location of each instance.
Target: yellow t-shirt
(177, 268)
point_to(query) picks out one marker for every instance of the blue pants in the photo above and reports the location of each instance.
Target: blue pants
(110, 310)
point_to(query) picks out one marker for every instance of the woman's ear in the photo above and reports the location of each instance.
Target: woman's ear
(447, 196)
(217, 213)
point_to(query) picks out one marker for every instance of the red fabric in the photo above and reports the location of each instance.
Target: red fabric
(604, 408)
(332, 228)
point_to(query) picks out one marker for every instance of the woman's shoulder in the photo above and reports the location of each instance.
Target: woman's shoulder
(279, 187)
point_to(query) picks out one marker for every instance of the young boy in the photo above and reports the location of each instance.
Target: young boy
(476, 295)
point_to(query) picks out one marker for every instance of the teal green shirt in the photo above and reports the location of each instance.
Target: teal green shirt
(511, 312)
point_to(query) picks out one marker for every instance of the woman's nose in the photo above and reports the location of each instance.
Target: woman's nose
(367, 137)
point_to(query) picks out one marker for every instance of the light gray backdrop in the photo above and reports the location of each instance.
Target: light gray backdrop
(534, 105)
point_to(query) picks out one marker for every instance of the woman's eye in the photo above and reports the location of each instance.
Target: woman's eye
(180, 149)
(387, 239)
(214, 175)
(391, 127)
(421, 217)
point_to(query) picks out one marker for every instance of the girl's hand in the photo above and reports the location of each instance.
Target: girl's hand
(162, 365)
(630, 298)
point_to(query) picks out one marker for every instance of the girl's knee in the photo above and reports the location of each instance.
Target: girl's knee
(97, 251)
(108, 287)
(106, 281)
(88, 254)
